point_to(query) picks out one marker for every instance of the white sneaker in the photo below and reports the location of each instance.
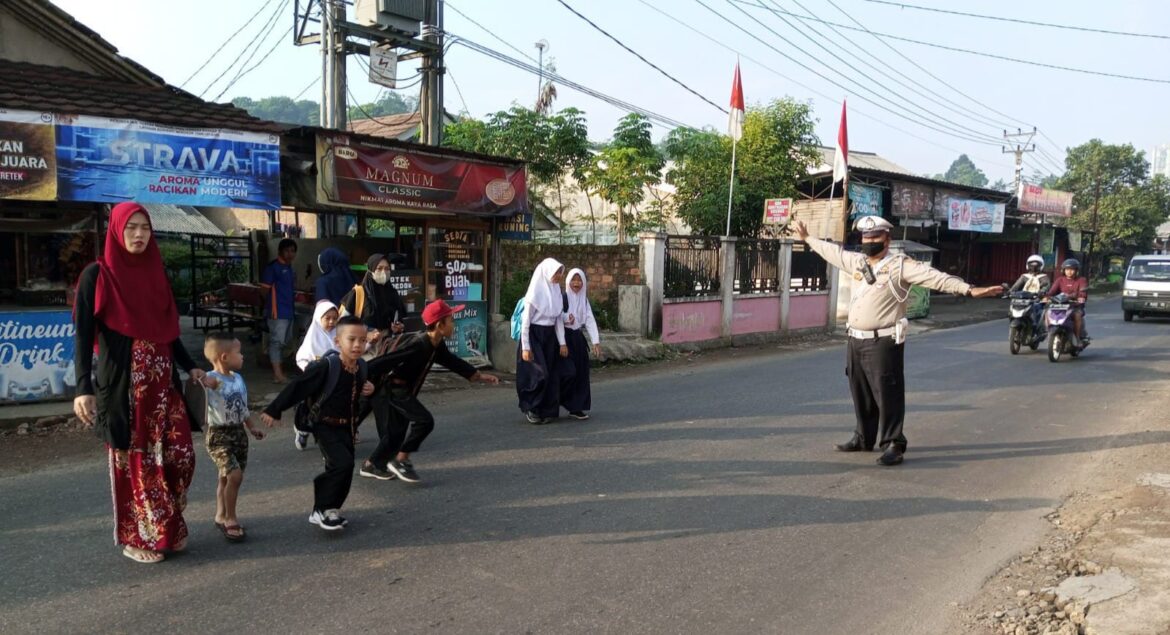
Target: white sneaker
(301, 440)
(329, 520)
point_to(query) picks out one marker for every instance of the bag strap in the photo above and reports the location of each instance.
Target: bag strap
(332, 375)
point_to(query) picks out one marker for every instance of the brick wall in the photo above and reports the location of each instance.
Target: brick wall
(605, 266)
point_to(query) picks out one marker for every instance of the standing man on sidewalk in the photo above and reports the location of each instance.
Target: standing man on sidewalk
(877, 330)
(279, 281)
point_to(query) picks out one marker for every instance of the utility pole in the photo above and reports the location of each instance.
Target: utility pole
(431, 95)
(333, 87)
(1019, 151)
(540, 46)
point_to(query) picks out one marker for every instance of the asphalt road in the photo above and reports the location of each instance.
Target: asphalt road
(700, 497)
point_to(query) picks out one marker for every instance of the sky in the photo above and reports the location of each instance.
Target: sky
(888, 100)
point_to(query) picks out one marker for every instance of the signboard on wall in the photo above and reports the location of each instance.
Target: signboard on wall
(28, 159)
(912, 201)
(777, 211)
(469, 340)
(975, 216)
(516, 227)
(866, 201)
(36, 356)
(1039, 200)
(367, 174)
(114, 160)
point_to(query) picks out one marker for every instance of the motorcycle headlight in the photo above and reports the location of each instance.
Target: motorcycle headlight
(1129, 293)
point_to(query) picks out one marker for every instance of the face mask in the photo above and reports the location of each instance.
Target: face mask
(381, 277)
(873, 249)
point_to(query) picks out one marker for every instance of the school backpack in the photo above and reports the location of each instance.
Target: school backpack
(517, 318)
(312, 411)
(359, 301)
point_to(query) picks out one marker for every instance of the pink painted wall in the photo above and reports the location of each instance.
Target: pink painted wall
(691, 321)
(808, 311)
(755, 315)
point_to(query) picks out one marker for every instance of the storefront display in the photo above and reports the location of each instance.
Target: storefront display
(36, 355)
(457, 263)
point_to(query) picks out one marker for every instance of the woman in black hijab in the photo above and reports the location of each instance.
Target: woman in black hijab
(375, 300)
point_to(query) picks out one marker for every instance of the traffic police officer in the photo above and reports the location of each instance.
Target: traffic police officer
(877, 329)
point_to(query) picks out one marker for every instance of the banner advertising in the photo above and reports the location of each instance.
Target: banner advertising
(911, 201)
(1039, 200)
(353, 173)
(28, 164)
(113, 160)
(940, 203)
(777, 211)
(469, 340)
(975, 216)
(1074, 240)
(36, 356)
(866, 200)
(516, 227)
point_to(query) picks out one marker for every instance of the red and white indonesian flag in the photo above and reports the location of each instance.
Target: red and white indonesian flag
(735, 119)
(841, 158)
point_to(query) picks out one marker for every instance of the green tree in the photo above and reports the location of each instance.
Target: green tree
(624, 169)
(1001, 185)
(283, 109)
(964, 172)
(778, 147)
(390, 103)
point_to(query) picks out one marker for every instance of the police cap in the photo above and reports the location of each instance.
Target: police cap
(871, 226)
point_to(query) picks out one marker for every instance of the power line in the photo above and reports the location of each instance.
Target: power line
(466, 109)
(1022, 21)
(912, 119)
(265, 30)
(306, 88)
(768, 68)
(490, 32)
(923, 69)
(659, 119)
(225, 43)
(972, 52)
(936, 117)
(639, 56)
(241, 75)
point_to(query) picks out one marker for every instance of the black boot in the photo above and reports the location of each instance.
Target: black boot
(854, 445)
(892, 456)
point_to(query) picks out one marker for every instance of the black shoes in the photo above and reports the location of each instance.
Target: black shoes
(536, 419)
(854, 445)
(892, 456)
(579, 415)
(404, 470)
(369, 470)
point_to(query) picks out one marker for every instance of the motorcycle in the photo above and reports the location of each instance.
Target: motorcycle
(1062, 335)
(1025, 331)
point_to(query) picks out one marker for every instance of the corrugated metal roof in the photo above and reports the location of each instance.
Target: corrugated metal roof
(857, 159)
(175, 219)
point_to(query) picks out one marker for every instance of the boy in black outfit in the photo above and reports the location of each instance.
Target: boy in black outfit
(396, 405)
(334, 416)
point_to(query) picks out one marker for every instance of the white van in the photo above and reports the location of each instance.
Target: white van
(1147, 287)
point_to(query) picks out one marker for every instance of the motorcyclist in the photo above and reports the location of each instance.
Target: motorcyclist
(1033, 280)
(1076, 287)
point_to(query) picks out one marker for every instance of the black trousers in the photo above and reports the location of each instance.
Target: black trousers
(331, 487)
(403, 423)
(575, 393)
(877, 381)
(538, 383)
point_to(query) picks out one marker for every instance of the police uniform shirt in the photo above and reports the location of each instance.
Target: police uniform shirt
(878, 306)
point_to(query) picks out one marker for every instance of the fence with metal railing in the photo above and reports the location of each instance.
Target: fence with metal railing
(757, 266)
(810, 272)
(692, 266)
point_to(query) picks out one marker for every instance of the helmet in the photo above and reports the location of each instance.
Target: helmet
(1035, 258)
(1071, 263)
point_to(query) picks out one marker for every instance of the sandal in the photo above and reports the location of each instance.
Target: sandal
(232, 533)
(143, 556)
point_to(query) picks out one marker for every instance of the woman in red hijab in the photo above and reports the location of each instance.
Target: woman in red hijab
(125, 312)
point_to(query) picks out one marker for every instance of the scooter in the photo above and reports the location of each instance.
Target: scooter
(1062, 335)
(1024, 329)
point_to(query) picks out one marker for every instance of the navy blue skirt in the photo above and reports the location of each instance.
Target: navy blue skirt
(538, 382)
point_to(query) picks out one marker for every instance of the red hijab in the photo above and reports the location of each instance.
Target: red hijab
(133, 294)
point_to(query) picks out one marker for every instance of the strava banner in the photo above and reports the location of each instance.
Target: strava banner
(113, 160)
(370, 175)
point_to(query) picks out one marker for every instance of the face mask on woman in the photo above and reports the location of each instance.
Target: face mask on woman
(381, 277)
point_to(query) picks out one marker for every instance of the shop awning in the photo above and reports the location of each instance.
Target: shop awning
(176, 219)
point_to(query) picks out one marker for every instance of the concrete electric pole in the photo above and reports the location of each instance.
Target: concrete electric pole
(1019, 150)
(431, 95)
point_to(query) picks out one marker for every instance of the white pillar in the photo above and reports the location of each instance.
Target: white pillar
(785, 283)
(727, 282)
(654, 275)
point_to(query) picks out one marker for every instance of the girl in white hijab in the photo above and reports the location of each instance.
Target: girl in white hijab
(319, 339)
(542, 340)
(578, 319)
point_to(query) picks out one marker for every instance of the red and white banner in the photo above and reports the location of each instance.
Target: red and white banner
(1039, 200)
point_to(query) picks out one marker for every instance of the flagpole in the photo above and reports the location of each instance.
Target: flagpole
(731, 189)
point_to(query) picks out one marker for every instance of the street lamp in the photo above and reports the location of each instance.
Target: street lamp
(540, 46)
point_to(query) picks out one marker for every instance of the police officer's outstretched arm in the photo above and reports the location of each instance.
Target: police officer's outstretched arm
(832, 253)
(924, 275)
